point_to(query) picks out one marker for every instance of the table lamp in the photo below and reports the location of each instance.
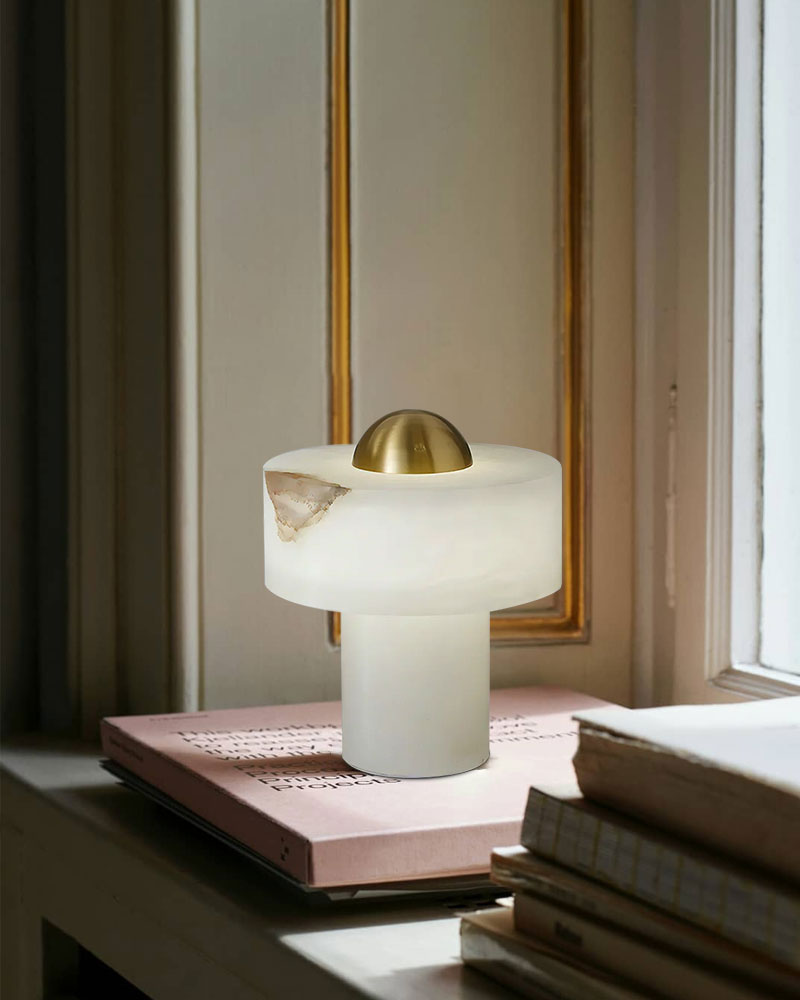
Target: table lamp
(414, 536)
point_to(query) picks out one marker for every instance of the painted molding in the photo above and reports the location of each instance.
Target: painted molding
(704, 229)
(751, 680)
(118, 347)
(722, 105)
(185, 374)
(92, 376)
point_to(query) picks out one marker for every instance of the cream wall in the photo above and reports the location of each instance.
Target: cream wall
(455, 242)
(455, 134)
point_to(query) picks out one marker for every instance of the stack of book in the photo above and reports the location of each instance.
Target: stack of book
(670, 869)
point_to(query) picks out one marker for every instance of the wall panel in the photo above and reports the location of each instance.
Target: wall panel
(262, 114)
(464, 292)
(457, 295)
(455, 212)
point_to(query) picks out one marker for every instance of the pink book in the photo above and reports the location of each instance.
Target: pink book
(273, 779)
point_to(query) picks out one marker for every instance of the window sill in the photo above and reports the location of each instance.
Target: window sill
(756, 681)
(176, 915)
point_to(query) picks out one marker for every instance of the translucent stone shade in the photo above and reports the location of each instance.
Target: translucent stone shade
(453, 543)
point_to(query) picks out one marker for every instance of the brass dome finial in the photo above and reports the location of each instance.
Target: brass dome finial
(412, 442)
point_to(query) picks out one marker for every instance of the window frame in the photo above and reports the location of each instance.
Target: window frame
(699, 562)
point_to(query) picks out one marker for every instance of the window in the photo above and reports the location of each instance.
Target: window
(718, 351)
(780, 339)
(766, 360)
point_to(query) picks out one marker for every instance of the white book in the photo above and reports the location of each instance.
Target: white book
(727, 776)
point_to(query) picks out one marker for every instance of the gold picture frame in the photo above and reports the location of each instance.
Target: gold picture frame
(568, 620)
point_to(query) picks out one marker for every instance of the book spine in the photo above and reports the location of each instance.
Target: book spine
(623, 954)
(737, 908)
(534, 971)
(563, 888)
(282, 847)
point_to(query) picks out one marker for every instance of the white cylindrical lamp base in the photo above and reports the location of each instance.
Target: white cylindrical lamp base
(415, 693)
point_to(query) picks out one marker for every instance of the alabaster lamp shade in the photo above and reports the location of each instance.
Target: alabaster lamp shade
(414, 537)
